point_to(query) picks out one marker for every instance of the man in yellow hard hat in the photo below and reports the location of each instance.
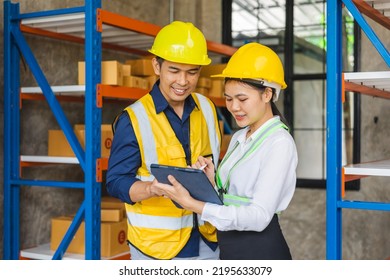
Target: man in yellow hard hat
(171, 125)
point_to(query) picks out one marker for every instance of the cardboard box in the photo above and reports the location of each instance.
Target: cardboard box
(59, 146)
(137, 82)
(112, 73)
(141, 67)
(217, 88)
(203, 91)
(126, 69)
(106, 137)
(212, 69)
(113, 236)
(111, 215)
(109, 202)
(151, 80)
(204, 82)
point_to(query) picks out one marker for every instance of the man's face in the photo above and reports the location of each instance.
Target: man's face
(177, 80)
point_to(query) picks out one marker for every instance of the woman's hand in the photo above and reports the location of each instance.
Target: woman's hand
(209, 169)
(179, 194)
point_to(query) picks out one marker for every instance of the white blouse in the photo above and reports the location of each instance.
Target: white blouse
(267, 177)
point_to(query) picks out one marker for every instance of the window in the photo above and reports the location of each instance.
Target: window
(296, 30)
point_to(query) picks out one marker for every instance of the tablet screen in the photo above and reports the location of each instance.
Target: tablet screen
(194, 180)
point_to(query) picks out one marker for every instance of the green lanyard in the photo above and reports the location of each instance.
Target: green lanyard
(271, 127)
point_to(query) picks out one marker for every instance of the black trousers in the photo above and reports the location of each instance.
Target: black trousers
(268, 244)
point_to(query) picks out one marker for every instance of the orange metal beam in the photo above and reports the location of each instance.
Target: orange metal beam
(372, 13)
(34, 96)
(124, 22)
(146, 28)
(75, 39)
(220, 48)
(109, 91)
(366, 90)
(51, 34)
(354, 177)
(101, 164)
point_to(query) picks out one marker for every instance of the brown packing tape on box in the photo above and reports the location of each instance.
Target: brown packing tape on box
(113, 236)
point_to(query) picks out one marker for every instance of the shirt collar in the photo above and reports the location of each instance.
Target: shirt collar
(242, 137)
(161, 104)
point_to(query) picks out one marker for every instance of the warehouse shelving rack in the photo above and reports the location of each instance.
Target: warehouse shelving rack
(96, 29)
(371, 83)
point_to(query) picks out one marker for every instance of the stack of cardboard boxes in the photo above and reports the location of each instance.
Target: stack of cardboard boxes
(203, 86)
(141, 69)
(133, 73)
(113, 230)
(215, 88)
(139, 73)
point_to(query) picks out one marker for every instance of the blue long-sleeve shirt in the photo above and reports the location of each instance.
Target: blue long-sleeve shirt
(125, 156)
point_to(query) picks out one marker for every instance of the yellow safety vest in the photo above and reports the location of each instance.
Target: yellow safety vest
(156, 226)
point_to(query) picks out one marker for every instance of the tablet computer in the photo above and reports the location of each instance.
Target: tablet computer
(194, 180)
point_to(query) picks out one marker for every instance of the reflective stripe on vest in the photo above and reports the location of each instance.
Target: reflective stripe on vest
(147, 145)
(169, 223)
(223, 189)
(212, 127)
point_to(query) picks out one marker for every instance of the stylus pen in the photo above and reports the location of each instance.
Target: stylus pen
(202, 167)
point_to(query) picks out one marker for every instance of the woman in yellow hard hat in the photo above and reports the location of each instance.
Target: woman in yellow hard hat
(171, 125)
(257, 176)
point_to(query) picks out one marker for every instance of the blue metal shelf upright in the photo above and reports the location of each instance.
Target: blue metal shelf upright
(16, 46)
(335, 80)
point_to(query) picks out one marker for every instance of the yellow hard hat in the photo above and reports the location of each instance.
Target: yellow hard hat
(181, 42)
(256, 62)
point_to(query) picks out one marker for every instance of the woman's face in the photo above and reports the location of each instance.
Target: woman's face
(249, 106)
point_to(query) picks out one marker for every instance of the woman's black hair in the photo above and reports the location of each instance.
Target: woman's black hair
(260, 86)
